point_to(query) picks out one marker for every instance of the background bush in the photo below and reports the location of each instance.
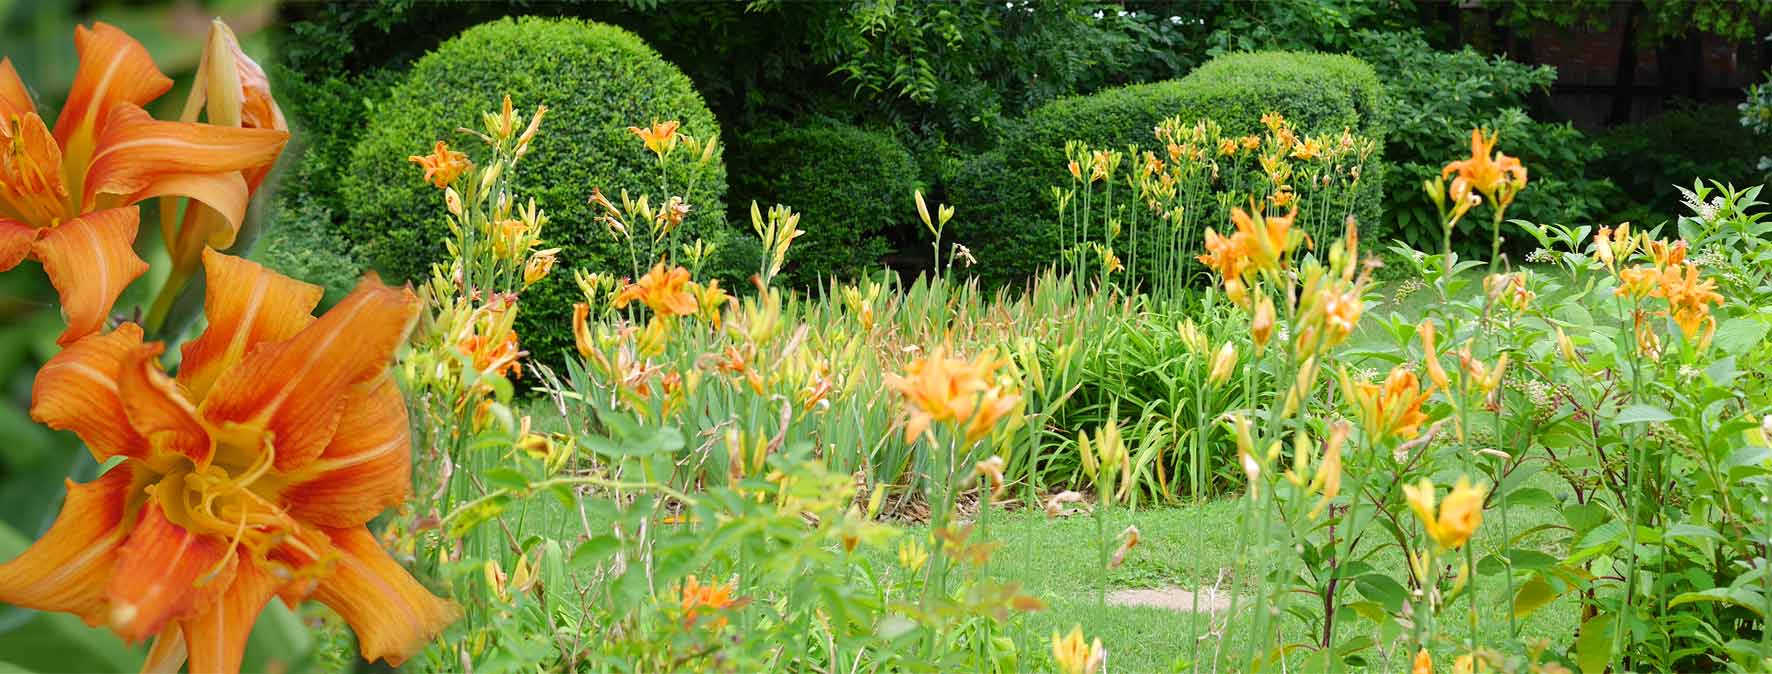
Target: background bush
(596, 80)
(301, 243)
(1432, 101)
(1003, 199)
(852, 187)
(1648, 158)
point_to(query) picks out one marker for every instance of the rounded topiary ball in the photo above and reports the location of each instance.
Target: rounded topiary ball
(597, 81)
(853, 188)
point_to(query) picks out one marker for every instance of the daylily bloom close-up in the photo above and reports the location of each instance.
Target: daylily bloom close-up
(249, 475)
(66, 195)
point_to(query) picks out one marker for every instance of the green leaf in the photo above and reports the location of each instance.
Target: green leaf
(1641, 413)
(1533, 595)
(1744, 597)
(1739, 335)
(1593, 649)
(507, 478)
(1382, 589)
(593, 552)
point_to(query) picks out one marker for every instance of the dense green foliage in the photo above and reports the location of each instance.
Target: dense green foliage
(1003, 198)
(302, 243)
(1435, 98)
(1651, 159)
(596, 80)
(851, 186)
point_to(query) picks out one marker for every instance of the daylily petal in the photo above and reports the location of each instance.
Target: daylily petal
(165, 573)
(157, 409)
(216, 638)
(136, 151)
(246, 305)
(220, 196)
(66, 570)
(391, 613)
(90, 260)
(368, 466)
(14, 98)
(15, 242)
(77, 391)
(296, 389)
(114, 69)
(167, 655)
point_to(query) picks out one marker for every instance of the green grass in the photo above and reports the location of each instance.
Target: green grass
(1186, 547)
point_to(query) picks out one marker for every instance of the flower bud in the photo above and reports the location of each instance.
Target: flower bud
(1222, 364)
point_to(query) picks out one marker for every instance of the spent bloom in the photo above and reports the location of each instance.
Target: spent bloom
(250, 475)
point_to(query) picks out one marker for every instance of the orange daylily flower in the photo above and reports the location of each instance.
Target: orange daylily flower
(65, 195)
(1689, 299)
(249, 475)
(1392, 409)
(443, 165)
(700, 597)
(660, 138)
(499, 356)
(953, 390)
(666, 291)
(1498, 177)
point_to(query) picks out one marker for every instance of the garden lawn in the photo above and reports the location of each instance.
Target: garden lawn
(1186, 547)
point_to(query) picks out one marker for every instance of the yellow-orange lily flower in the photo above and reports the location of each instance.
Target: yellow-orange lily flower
(1498, 177)
(1457, 518)
(953, 390)
(1392, 409)
(250, 475)
(660, 138)
(698, 596)
(64, 194)
(443, 165)
(1073, 656)
(666, 291)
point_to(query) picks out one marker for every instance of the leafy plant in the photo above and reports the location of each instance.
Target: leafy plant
(557, 63)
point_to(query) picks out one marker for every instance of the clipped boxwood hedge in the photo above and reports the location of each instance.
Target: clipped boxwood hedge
(1003, 200)
(596, 80)
(852, 186)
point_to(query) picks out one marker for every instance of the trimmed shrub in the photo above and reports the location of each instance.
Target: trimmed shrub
(596, 80)
(852, 187)
(1003, 200)
(302, 243)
